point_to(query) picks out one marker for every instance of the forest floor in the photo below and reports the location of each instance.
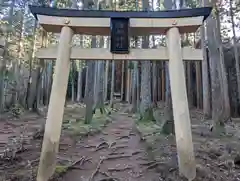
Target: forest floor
(115, 147)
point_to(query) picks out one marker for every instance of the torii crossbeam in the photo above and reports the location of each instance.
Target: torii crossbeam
(70, 21)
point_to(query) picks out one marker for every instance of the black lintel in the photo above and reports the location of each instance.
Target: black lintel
(49, 11)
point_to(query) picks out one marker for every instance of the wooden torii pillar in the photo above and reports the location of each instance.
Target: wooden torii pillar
(171, 23)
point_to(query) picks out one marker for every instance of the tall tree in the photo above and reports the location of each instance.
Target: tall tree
(106, 80)
(73, 65)
(112, 83)
(236, 53)
(5, 56)
(100, 82)
(205, 69)
(215, 68)
(90, 90)
(146, 109)
(80, 82)
(73, 70)
(154, 77)
(168, 126)
(90, 75)
(224, 83)
(17, 64)
(135, 87)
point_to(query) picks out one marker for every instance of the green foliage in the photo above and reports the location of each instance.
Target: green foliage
(4, 27)
(192, 3)
(61, 3)
(80, 64)
(129, 5)
(17, 110)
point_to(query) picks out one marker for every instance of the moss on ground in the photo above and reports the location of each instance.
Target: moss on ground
(77, 127)
(153, 132)
(158, 120)
(149, 131)
(148, 115)
(74, 121)
(60, 170)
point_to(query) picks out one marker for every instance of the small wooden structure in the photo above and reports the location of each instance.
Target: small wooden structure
(171, 23)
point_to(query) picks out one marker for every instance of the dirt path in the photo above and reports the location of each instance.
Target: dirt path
(115, 154)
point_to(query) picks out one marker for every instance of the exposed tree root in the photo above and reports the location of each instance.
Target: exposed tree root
(172, 169)
(116, 153)
(152, 166)
(143, 158)
(105, 145)
(34, 161)
(102, 145)
(89, 146)
(123, 127)
(132, 134)
(112, 144)
(148, 163)
(123, 141)
(63, 169)
(119, 147)
(64, 159)
(100, 148)
(115, 150)
(14, 147)
(136, 152)
(123, 137)
(119, 169)
(105, 174)
(97, 169)
(109, 177)
(80, 162)
(117, 156)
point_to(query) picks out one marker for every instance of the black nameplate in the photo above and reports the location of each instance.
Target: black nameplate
(119, 35)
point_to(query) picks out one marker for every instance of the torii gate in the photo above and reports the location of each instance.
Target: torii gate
(119, 25)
